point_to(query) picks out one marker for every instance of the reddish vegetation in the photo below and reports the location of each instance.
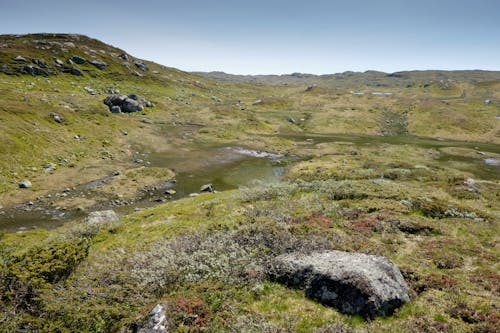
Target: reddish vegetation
(192, 312)
(433, 281)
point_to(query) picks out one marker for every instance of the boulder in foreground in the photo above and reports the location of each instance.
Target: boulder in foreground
(353, 283)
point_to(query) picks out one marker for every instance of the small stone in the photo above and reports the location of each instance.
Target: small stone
(99, 64)
(25, 184)
(76, 71)
(170, 192)
(78, 60)
(206, 188)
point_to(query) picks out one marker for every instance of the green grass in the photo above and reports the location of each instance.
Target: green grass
(402, 197)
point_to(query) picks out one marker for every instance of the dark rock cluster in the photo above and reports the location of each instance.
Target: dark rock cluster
(126, 103)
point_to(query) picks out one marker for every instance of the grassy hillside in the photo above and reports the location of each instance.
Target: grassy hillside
(386, 164)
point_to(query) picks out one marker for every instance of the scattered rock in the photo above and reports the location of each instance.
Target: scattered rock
(123, 56)
(157, 320)
(257, 102)
(291, 120)
(99, 64)
(20, 59)
(142, 66)
(25, 184)
(76, 71)
(353, 152)
(49, 168)
(170, 192)
(78, 60)
(137, 74)
(353, 283)
(90, 90)
(101, 217)
(310, 87)
(469, 182)
(192, 195)
(207, 188)
(487, 101)
(41, 63)
(57, 118)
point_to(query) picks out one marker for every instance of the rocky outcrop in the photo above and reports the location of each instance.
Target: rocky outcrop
(130, 103)
(32, 70)
(353, 283)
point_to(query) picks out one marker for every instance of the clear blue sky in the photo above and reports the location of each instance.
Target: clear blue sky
(278, 36)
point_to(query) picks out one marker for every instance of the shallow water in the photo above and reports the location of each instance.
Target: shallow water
(224, 167)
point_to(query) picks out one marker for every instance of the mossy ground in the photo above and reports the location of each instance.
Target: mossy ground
(206, 256)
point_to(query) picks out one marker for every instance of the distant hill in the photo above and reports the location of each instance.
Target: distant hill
(368, 78)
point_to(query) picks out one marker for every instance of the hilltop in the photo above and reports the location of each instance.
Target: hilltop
(214, 178)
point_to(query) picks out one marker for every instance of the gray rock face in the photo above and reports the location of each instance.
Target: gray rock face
(352, 283)
(101, 217)
(157, 320)
(99, 64)
(78, 60)
(25, 184)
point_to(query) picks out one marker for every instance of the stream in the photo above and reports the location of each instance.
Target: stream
(231, 167)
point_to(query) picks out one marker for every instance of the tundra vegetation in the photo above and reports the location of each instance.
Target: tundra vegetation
(402, 165)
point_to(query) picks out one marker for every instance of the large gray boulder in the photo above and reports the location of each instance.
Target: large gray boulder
(353, 283)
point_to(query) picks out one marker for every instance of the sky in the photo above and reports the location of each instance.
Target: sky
(278, 36)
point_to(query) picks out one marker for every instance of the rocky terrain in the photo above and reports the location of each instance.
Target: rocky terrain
(139, 198)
